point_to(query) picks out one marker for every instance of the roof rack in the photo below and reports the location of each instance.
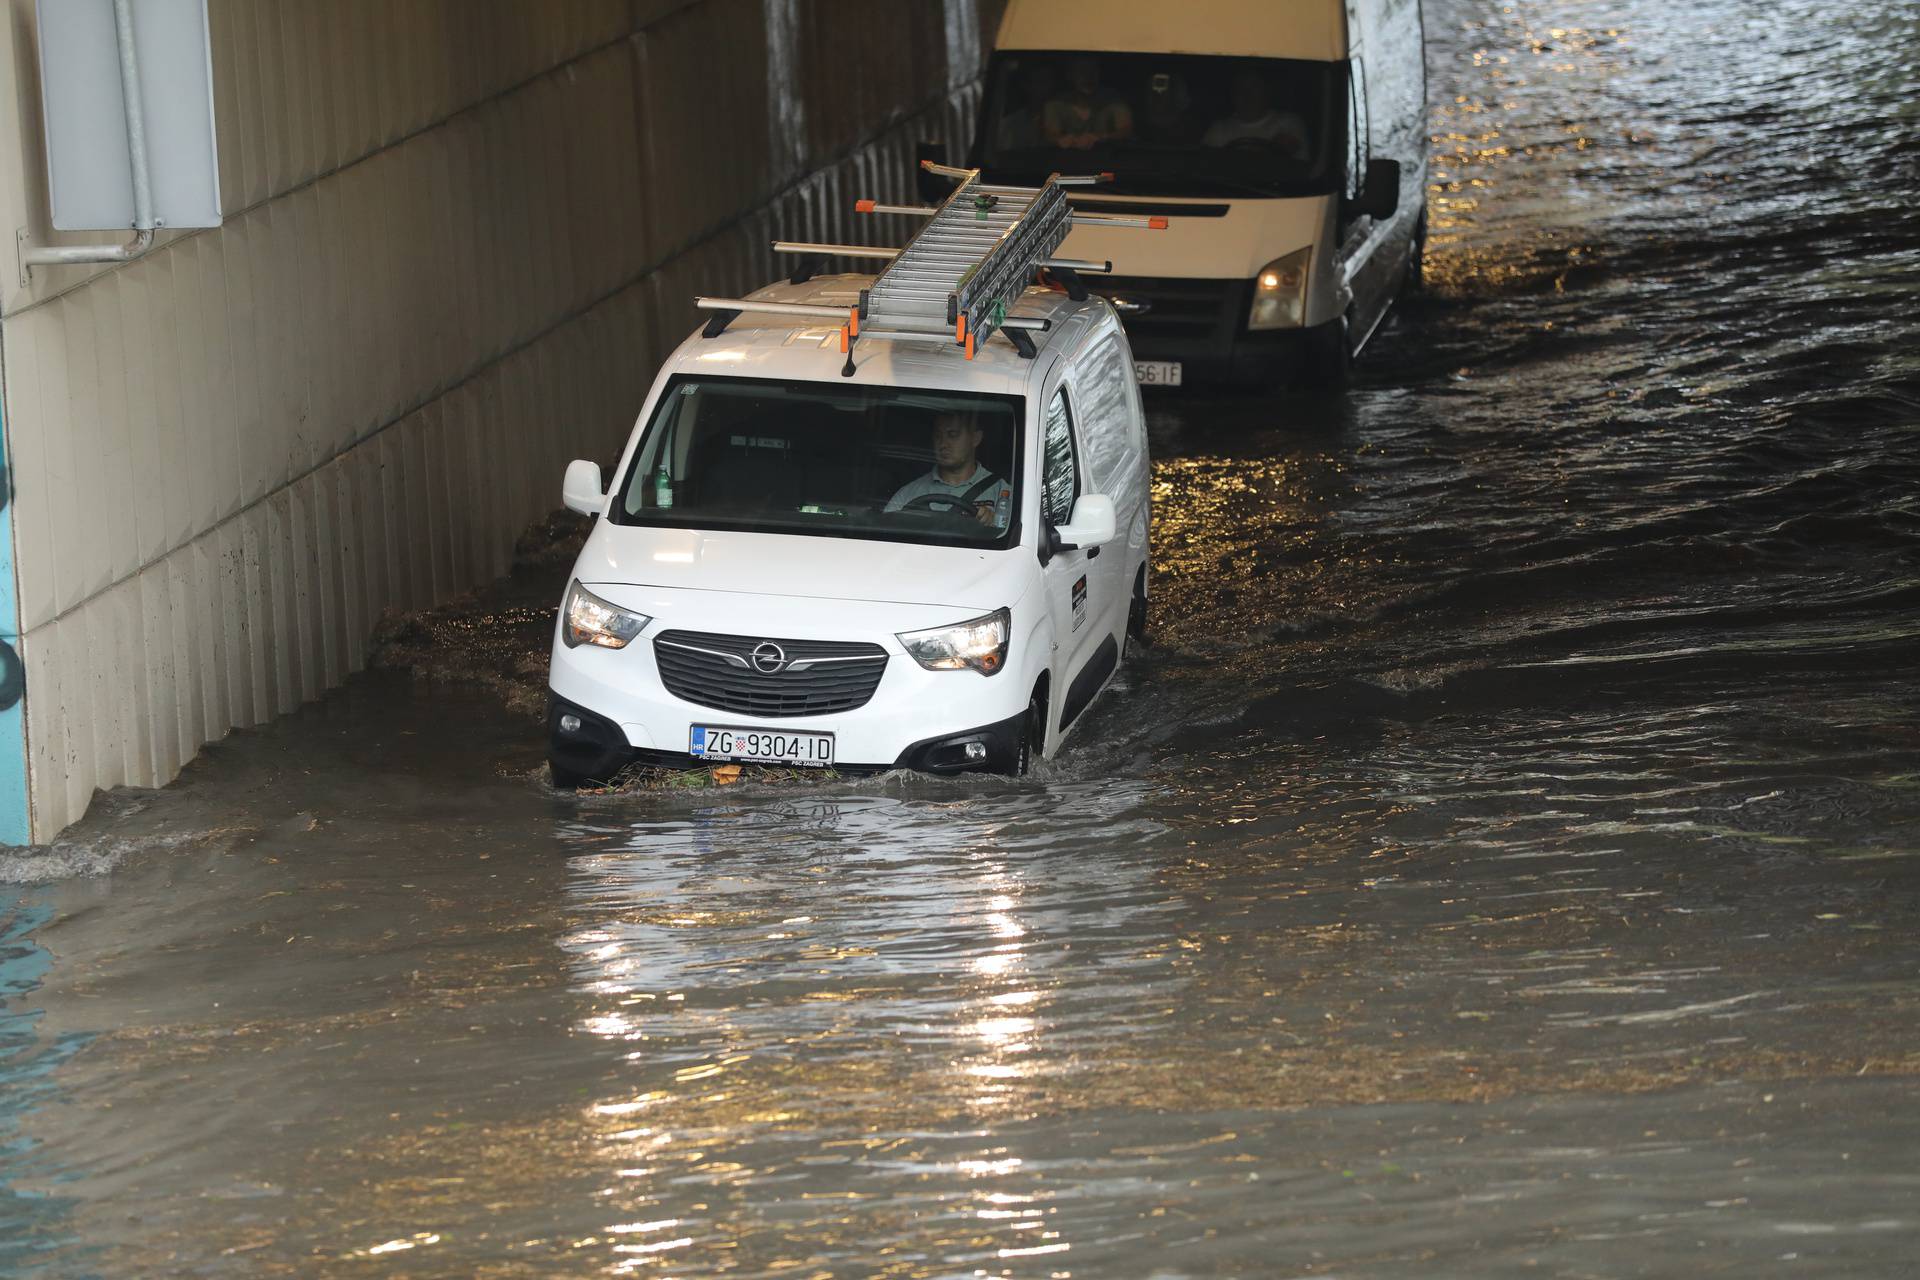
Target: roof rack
(958, 278)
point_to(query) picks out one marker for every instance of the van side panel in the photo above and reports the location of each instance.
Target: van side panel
(1391, 33)
(1315, 29)
(1389, 70)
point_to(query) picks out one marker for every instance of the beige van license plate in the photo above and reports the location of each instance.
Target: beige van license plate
(1157, 373)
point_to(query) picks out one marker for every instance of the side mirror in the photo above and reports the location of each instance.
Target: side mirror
(581, 490)
(931, 187)
(1380, 193)
(1090, 524)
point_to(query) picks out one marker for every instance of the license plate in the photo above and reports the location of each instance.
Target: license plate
(762, 746)
(1157, 373)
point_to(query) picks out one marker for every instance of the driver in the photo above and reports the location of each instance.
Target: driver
(957, 479)
(1255, 119)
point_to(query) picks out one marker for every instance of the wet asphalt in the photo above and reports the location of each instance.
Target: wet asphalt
(1504, 862)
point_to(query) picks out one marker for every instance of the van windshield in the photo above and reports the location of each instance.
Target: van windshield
(893, 464)
(1166, 124)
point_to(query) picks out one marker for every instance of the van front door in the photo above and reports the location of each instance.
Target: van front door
(1366, 268)
(1081, 662)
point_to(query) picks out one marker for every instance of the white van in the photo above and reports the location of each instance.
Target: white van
(1285, 142)
(911, 556)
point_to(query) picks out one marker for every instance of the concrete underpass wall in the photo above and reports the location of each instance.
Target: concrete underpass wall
(459, 236)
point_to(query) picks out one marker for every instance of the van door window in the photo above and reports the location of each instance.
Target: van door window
(1359, 145)
(1061, 468)
(1104, 404)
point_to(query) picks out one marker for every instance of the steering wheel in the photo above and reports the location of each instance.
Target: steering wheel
(1286, 147)
(939, 501)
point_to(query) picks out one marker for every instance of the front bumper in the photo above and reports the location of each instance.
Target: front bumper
(992, 748)
(594, 747)
(626, 714)
(1203, 325)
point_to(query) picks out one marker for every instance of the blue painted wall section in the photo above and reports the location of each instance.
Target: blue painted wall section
(16, 826)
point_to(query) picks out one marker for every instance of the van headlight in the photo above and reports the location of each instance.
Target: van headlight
(976, 645)
(1280, 293)
(587, 619)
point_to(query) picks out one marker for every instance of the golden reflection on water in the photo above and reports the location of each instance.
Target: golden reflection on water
(1490, 227)
(1240, 544)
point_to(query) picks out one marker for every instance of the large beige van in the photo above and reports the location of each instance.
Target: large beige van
(1285, 142)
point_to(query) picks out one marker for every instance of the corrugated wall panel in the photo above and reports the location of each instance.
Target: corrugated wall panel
(110, 466)
(294, 54)
(145, 511)
(270, 59)
(81, 561)
(279, 635)
(250, 118)
(49, 768)
(31, 509)
(159, 687)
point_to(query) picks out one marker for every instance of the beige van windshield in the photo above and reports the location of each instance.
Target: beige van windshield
(1166, 124)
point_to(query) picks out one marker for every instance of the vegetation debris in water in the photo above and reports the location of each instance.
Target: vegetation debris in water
(638, 778)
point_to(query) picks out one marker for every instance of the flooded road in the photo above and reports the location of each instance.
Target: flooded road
(1505, 861)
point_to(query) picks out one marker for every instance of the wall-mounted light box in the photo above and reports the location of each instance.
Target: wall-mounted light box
(88, 170)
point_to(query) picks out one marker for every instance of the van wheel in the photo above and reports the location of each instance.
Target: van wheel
(1417, 257)
(1137, 616)
(1329, 352)
(564, 779)
(1033, 735)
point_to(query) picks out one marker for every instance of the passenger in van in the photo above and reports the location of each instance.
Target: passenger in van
(1023, 127)
(957, 480)
(1254, 119)
(1087, 114)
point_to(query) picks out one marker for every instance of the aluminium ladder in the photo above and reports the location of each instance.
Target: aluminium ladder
(957, 280)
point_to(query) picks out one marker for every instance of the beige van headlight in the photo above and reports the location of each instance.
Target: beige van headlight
(1280, 293)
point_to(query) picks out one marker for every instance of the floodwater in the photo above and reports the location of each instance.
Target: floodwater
(1505, 862)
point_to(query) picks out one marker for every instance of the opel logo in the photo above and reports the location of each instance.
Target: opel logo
(768, 658)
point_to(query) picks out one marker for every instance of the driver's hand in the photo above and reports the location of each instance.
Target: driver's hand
(983, 512)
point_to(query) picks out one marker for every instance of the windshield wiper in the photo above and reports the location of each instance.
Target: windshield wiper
(1187, 186)
(1151, 179)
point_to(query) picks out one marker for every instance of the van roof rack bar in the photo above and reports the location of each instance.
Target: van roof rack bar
(838, 250)
(953, 171)
(811, 310)
(940, 336)
(1153, 222)
(882, 251)
(726, 310)
(910, 210)
(1103, 266)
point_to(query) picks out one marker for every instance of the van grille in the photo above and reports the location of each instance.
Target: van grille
(719, 671)
(1180, 308)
